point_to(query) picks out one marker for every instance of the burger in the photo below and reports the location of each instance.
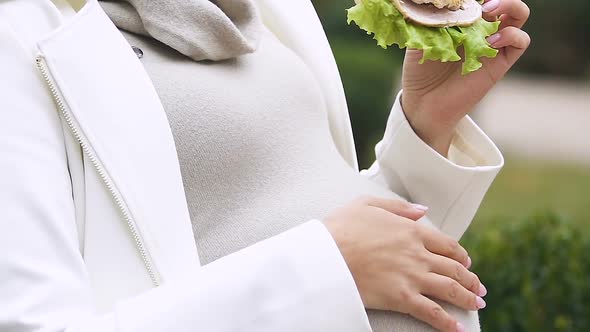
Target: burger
(444, 30)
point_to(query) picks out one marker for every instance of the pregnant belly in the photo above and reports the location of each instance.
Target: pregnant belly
(234, 219)
(229, 220)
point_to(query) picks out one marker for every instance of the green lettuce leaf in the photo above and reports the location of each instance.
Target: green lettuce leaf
(381, 18)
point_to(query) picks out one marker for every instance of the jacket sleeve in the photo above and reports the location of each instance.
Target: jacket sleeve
(452, 187)
(293, 282)
(296, 281)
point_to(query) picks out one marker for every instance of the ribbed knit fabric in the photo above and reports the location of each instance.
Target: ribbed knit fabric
(255, 150)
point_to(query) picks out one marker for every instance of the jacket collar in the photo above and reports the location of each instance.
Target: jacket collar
(119, 114)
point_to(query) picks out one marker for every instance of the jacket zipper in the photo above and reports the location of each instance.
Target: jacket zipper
(100, 169)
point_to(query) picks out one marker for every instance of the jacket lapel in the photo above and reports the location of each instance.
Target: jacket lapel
(119, 113)
(297, 25)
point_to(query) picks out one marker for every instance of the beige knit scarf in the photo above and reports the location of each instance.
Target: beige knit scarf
(200, 29)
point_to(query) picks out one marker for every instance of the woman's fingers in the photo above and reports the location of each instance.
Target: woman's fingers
(447, 267)
(441, 244)
(514, 40)
(507, 21)
(426, 310)
(510, 36)
(451, 291)
(511, 12)
(396, 206)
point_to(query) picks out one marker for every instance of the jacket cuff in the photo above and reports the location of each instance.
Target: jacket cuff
(296, 281)
(452, 187)
(470, 147)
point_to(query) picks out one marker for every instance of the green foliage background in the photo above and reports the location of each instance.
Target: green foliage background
(537, 270)
(529, 242)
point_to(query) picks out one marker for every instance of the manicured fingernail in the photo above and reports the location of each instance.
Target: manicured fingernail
(494, 38)
(460, 327)
(482, 290)
(490, 6)
(420, 207)
(468, 262)
(480, 303)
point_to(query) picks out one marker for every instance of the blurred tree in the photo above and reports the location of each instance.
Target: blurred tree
(560, 32)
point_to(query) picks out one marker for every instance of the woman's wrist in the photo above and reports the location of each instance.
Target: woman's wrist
(437, 132)
(438, 140)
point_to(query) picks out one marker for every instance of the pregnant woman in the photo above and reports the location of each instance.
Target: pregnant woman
(188, 165)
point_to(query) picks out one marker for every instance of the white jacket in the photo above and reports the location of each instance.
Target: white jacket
(92, 209)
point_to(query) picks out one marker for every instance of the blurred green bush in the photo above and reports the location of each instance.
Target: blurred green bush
(536, 271)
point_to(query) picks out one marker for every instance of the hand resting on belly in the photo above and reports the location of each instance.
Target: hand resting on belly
(402, 266)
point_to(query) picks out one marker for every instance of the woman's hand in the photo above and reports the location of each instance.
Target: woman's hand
(398, 264)
(436, 96)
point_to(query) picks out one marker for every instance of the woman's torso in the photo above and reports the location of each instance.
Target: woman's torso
(253, 142)
(254, 147)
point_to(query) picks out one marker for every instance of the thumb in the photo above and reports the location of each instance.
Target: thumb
(398, 207)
